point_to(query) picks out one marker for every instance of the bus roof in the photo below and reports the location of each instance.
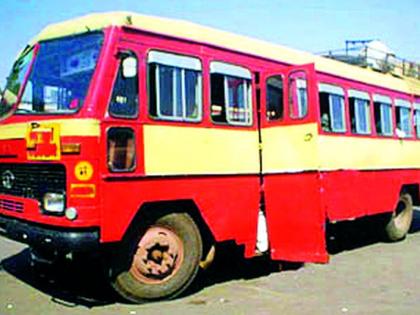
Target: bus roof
(203, 34)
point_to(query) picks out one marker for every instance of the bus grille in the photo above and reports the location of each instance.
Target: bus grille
(32, 180)
(11, 205)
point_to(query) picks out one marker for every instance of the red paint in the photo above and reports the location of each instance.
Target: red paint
(228, 204)
(296, 221)
(353, 194)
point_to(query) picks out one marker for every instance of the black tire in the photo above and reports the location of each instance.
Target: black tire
(399, 224)
(132, 287)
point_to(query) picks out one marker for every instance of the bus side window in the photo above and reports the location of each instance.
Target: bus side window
(332, 111)
(175, 86)
(383, 115)
(121, 149)
(359, 105)
(124, 99)
(230, 94)
(417, 119)
(403, 118)
(298, 95)
(274, 98)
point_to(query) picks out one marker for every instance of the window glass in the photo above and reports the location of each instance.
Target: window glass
(124, 99)
(237, 95)
(386, 118)
(175, 87)
(274, 98)
(121, 149)
(403, 118)
(332, 111)
(60, 77)
(166, 91)
(383, 115)
(230, 95)
(337, 113)
(298, 95)
(359, 115)
(383, 118)
(14, 85)
(192, 93)
(417, 122)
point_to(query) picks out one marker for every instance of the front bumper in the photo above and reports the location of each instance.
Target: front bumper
(60, 239)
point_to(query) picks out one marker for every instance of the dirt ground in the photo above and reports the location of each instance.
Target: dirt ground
(364, 276)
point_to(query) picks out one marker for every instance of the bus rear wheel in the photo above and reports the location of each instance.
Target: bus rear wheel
(399, 224)
(164, 261)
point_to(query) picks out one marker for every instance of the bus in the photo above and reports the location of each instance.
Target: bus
(158, 139)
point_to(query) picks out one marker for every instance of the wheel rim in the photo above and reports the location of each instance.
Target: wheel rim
(158, 257)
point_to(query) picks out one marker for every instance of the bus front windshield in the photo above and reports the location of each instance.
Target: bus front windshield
(59, 77)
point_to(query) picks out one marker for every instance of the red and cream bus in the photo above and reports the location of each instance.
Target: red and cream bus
(163, 138)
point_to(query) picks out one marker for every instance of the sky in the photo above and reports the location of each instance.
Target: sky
(312, 26)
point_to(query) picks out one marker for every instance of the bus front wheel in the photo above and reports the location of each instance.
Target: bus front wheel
(399, 224)
(164, 260)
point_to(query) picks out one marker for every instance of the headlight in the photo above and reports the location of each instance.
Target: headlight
(54, 202)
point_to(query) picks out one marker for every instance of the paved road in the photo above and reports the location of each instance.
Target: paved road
(364, 277)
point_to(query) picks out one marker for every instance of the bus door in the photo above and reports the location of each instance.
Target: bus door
(121, 136)
(289, 154)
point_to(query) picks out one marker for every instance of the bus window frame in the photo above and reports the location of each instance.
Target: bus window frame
(357, 94)
(383, 100)
(283, 101)
(166, 118)
(293, 96)
(118, 65)
(399, 104)
(333, 89)
(416, 110)
(247, 78)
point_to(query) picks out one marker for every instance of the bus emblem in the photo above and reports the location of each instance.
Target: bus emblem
(7, 179)
(43, 141)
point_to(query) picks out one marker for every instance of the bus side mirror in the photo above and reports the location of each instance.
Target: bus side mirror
(129, 67)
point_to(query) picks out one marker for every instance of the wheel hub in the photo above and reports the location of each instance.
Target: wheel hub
(158, 257)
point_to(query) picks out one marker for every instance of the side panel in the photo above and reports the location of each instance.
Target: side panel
(363, 153)
(173, 150)
(352, 194)
(228, 204)
(215, 168)
(363, 176)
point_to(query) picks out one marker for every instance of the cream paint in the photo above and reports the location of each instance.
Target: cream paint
(68, 127)
(367, 154)
(290, 148)
(300, 148)
(172, 150)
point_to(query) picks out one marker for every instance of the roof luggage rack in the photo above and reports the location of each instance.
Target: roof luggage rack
(375, 55)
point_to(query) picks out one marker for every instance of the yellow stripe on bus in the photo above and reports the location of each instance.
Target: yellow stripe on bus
(68, 127)
(300, 148)
(171, 150)
(290, 148)
(367, 154)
